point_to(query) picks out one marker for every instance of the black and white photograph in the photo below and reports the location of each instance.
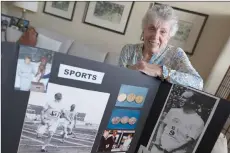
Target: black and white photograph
(112, 16)
(143, 149)
(109, 11)
(115, 140)
(62, 5)
(62, 120)
(60, 9)
(183, 31)
(33, 69)
(183, 121)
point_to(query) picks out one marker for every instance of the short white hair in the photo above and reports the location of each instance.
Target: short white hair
(162, 12)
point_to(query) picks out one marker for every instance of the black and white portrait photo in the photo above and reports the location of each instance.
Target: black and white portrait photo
(62, 120)
(33, 69)
(109, 11)
(183, 121)
(62, 5)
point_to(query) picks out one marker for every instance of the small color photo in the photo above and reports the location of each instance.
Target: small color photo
(115, 140)
(124, 119)
(33, 69)
(131, 96)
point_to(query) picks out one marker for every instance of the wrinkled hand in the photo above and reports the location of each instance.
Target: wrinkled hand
(149, 69)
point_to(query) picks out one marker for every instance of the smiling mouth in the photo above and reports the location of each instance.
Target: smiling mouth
(154, 43)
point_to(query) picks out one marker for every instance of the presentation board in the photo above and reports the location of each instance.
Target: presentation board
(60, 103)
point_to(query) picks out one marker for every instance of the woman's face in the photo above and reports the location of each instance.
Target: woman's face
(156, 35)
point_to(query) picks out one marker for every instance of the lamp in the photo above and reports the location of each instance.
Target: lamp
(30, 6)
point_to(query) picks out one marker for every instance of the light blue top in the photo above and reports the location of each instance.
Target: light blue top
(26, 73)
(175, 59)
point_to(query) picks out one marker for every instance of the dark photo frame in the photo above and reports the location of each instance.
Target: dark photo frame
(63, 9)
(111, 16)
(189, 32)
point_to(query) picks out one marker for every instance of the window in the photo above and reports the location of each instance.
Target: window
(224, 89)
(224, 92)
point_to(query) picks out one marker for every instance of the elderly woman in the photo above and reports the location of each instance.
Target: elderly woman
(154, 57)
(158, 59)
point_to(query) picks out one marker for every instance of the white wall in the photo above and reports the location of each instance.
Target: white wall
(214, 36)
(212, 40)
(219, 70)
(86, 33)
(4, 8)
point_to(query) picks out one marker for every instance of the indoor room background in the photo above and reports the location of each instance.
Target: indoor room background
(210, 58)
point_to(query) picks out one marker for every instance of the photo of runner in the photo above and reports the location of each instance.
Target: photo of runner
(62, 120)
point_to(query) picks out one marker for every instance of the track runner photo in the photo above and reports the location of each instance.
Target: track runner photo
(62, 121)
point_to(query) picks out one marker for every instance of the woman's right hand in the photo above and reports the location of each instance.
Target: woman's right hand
(133, 67)
(149, 69)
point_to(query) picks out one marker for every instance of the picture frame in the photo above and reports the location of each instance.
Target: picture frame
(191, 25)
(111, 16)
(5, 20)
(61, 9)
(11, 21)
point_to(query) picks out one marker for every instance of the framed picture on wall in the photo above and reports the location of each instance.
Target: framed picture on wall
(15, 22)
(191, 25)
(5, 20)
(60, 9)
(113, 16)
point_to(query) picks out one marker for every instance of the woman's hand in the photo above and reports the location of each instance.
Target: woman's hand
(149, 69)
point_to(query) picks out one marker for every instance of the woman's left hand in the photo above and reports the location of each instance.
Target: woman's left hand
(149, 69)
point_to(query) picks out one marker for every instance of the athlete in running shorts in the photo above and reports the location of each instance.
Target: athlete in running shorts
(50, 116)
(179, 127)
(68, 121)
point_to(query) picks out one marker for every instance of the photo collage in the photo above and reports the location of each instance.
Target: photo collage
(69, 117)
(58, 118)
(55, 121)
(118, 135)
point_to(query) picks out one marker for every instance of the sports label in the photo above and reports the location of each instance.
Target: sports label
(80, 74)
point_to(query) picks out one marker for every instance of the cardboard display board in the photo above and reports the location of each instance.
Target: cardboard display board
(63, 103)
